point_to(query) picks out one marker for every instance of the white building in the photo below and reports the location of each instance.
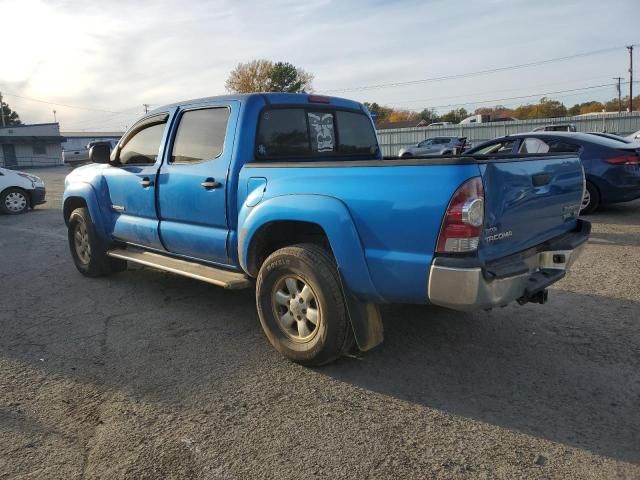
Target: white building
(35, 145)
(79, 140)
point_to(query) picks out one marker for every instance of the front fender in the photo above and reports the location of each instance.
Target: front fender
(332, 216)
(98, 206)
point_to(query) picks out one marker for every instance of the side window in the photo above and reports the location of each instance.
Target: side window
(425, 143)
(497, 148)
(441, 141)
(142, 148)
(200, 135)
(563, 147)
(533, 145)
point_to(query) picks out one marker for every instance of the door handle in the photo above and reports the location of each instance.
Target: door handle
(210, 184)
(541, 179)
(145, 182)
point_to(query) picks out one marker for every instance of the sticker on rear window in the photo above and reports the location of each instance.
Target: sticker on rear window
(322, 132)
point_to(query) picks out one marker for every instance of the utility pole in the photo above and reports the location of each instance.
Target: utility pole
(619, 79)
(1, 110)
(146, 108)
(630, 48)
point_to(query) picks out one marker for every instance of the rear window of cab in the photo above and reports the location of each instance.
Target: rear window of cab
(314, 132)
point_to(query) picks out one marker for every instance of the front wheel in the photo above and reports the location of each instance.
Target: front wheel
(88, 250)
(14, 201)
(301, 305)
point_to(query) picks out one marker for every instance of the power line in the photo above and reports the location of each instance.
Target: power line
(474, 74)
(520, 97)
(502, 90)
(65, 105)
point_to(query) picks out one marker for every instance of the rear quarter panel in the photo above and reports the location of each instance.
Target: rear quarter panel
(396, 210)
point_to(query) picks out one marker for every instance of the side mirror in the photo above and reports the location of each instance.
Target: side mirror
(99, 153)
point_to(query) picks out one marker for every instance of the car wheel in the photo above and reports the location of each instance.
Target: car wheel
(590, 200)
(14, 201)
(407, 154)
(88, 250)
(301, 306)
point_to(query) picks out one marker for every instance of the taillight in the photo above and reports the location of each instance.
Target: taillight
(626, 159)
(462, 224)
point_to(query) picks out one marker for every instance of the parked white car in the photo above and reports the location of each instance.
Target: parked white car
(19, 191)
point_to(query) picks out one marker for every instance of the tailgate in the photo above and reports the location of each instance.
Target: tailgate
(528, 200)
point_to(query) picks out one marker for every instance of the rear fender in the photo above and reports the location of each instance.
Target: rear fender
(332, 216)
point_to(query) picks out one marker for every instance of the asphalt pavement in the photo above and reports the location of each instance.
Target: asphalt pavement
(146, 374)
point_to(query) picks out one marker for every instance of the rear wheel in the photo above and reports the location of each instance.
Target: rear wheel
(88, 250)
(407, 154)
(14, 201)
(301, 305)
(590, 200)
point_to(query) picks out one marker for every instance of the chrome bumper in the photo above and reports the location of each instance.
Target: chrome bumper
(469, 289)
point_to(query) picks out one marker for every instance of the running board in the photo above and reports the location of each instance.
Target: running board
(216, 276)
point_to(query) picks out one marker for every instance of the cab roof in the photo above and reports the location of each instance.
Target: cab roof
(275, 98)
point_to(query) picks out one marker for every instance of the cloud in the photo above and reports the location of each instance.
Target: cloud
(117, 55)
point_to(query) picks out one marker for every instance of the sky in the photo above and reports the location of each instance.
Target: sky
(97, 63)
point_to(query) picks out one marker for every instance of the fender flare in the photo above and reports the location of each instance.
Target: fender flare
(328, 213)
(98, 209)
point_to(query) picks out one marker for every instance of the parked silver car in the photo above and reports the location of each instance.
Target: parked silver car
(435, 146)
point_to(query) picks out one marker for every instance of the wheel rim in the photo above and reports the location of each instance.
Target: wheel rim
(81, 243)
(296, 308)
(586, 199)
(15, 202)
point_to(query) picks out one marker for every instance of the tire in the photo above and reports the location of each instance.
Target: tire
(88, 250)
(285, 310)
(407, 154)
(14, 201)
(591, 200)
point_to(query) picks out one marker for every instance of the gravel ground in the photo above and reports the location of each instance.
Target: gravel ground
(149, 375)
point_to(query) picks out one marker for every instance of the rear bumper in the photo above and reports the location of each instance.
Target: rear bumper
(460, 285)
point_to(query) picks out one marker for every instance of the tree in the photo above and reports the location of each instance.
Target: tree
(429, 115)
(454, 116)
(266, 76)
(253, 76)
(402, 116)
(380, 112)
(287, 78)
(11, 117)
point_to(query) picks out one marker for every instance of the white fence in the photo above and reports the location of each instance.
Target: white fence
(392, 140)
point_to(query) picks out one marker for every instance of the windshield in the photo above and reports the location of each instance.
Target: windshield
(312, 132)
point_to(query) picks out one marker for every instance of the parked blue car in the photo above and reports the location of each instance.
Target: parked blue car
(290, 193)
(611, 166)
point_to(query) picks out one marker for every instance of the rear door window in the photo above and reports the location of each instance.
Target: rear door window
(200, 135)
(533, 145)
(503, 148)
(301, 132)
(559, 146)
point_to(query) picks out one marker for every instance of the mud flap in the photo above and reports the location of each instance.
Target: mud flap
(365, 320)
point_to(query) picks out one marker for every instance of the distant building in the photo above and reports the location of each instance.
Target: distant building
(79, 140)
(35, 145)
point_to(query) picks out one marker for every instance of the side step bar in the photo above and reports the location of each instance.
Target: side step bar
(216, 276)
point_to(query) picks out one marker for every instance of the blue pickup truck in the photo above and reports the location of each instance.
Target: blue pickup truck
(290, 193)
